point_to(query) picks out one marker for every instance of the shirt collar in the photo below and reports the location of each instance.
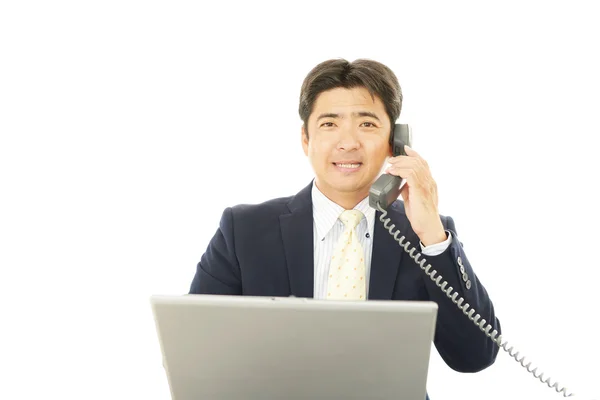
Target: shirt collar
(326, 212)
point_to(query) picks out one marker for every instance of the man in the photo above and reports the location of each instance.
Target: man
(288, 246)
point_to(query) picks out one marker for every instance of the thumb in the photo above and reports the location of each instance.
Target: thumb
(404, 192)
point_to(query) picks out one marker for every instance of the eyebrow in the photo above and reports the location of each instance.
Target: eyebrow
(354, 114)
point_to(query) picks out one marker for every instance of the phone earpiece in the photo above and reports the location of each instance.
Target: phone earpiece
(402, 136)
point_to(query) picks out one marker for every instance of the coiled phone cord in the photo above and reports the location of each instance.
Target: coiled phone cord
(464, 308)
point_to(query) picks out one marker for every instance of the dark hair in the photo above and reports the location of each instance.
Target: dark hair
(377, 78)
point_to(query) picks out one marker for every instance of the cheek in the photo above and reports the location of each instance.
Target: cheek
(377, 151)
(319, 149)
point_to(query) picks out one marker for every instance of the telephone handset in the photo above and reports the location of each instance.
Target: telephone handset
(384, 191)
(386, 188)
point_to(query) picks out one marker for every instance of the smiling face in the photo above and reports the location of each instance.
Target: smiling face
(347, 144)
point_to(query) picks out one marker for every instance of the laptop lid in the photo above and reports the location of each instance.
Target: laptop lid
(240, 347)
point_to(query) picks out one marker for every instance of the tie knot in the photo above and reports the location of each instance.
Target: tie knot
(351, 218)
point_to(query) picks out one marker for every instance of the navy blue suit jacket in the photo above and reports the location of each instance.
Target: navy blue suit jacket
(267, 250)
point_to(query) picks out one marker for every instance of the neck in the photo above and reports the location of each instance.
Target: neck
(347, 200)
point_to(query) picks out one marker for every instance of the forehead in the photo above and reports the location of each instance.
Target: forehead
(342, 100)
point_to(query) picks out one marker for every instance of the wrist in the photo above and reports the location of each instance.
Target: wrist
(433, 237)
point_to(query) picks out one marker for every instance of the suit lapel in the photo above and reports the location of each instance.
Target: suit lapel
(387, 254)
(297, 234)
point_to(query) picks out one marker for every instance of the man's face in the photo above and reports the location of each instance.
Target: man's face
(348, 141)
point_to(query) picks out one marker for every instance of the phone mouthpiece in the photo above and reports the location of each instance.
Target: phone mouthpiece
(384, 191)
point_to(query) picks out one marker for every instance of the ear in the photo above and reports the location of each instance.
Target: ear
(304, 138)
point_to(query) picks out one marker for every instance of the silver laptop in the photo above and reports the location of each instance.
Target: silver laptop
(240, 347)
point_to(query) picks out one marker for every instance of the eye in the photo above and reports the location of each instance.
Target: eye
(327, 124)
(369, 125)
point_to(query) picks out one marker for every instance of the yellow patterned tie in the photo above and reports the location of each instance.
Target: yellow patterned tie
(347, 268)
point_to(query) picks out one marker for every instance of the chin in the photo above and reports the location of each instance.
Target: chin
(348, 185)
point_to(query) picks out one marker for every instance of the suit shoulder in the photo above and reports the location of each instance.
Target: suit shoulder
(272, 204)
(260, 211)
(398, 206)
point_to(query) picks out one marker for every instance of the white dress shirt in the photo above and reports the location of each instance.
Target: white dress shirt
(327, 229)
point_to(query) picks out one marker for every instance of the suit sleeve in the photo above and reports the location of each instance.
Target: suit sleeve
(218, 271)
(461, 344)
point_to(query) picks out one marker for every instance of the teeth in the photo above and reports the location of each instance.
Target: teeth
(348, 165)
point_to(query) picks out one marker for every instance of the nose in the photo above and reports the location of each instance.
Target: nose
(348, 139)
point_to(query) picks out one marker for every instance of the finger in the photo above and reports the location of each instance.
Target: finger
(396, 159)
(400, 171)
(410, 152)
(411, 176)
(405, 193)
(404, 160)
(413, 166)
(413, 154)
(415, 162)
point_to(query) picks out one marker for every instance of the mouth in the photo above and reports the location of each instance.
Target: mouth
(348, 166)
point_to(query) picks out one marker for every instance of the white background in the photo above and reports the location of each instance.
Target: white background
(127, 127)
